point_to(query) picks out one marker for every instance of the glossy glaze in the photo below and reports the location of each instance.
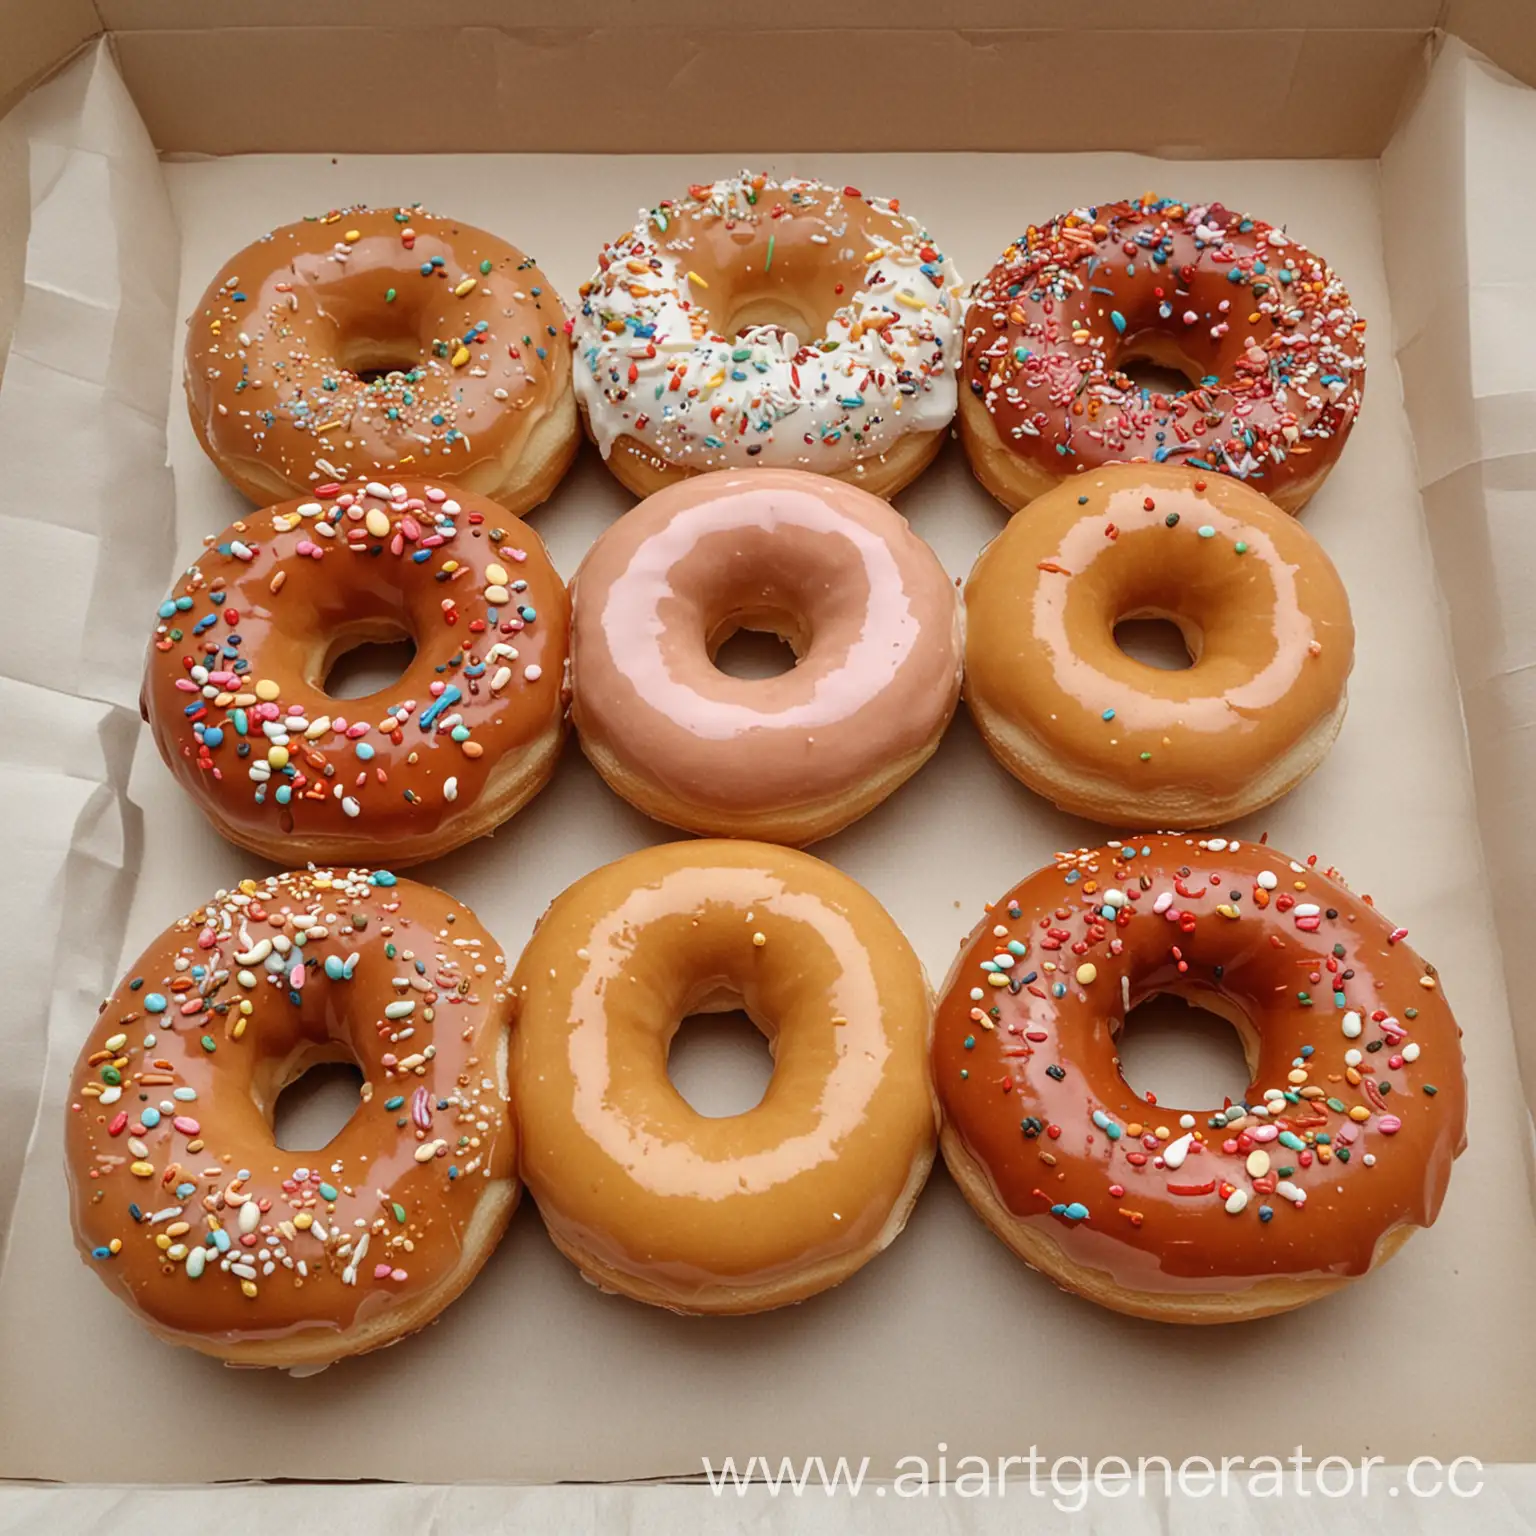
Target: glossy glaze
(168, 1136)
(866, 603)
(1262, 327)
(673, 1205)
(278, 344)
(1357, 1061)
(1262, 608)
(764, 322)
(233, 686)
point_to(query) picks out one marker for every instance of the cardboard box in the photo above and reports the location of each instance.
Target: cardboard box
(146, 143)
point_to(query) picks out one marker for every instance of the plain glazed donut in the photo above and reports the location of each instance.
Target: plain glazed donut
(871, 615)
(380, 342)
(1341, 1147)
(645, 1195)
(1262, 328)
(234, 687)
(183, 1204)
(1264, 617)
(764, 322)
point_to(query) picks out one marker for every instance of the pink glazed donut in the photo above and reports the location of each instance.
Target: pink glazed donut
(872, 618)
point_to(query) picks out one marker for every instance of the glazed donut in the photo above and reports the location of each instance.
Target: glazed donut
(651, 1199)
(381, 342)
(1264, 617)
(1341, 1147)
(865, 604)
(184, 1205)
(234, 687)
(766, 322)
(1262, 328)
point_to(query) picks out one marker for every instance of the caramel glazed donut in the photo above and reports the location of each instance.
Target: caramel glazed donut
(183, 1204)
(379, 342)
(739, 1214)
(1339, 1150)
(234, 687)
(871, 615)
(1262, 328)
(770, 322)
(1263, 613)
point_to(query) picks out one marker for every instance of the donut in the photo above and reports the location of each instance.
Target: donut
(1341, 1147)
(651, 1199)
(873, 620)
(1264, 618)
(1263, 330)
(380, 342)
(234, 686)
(759, 321)
(184, 1205)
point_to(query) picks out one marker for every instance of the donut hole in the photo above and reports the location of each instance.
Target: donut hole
(720, 1063)
(1158, 640)
(1157, 377)
(1174, 1050)
(757, 646)
(373, 358)
(772, 311)
(313, 1107)
(360, 665)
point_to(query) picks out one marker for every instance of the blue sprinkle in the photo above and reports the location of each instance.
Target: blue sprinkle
(1118, 319)
(1265, 1213)
(149, 1119)
(101, 1253)
(383, 876)
(154, 1003)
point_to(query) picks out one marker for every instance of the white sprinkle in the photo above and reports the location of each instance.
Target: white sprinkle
(1267, 880)
(1351, 1024)
(1236, 1201)
(350, 806)
(450, 789)
(1176, 1151)
(533, 673)
(502, 677)
(250, 1216)
(1163, 902)
(1288, 1191)
(195, 1261)
(1411, 1051)
(1307, 909)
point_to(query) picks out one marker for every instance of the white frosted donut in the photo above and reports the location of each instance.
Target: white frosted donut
(782, 323)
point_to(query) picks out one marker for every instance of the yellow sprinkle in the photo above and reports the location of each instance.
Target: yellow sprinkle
(759, 939)
(460, 357)
(467, 286)
(693, 277)
(997, 979)
(1296, 1075)
(497, 595)
(143, 1170)
(911, 300)
(352, 236)
(116, 1245)
(1359, 1114)
(325, 426)
(116, 1042)
(266, 689)
(249, 1287)
(278, 756)
(1427, 981)
(1228, 910)
(1258, 1163)
(496, 575)
(302, 1221)
(1087, 972)
(239, 1028)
